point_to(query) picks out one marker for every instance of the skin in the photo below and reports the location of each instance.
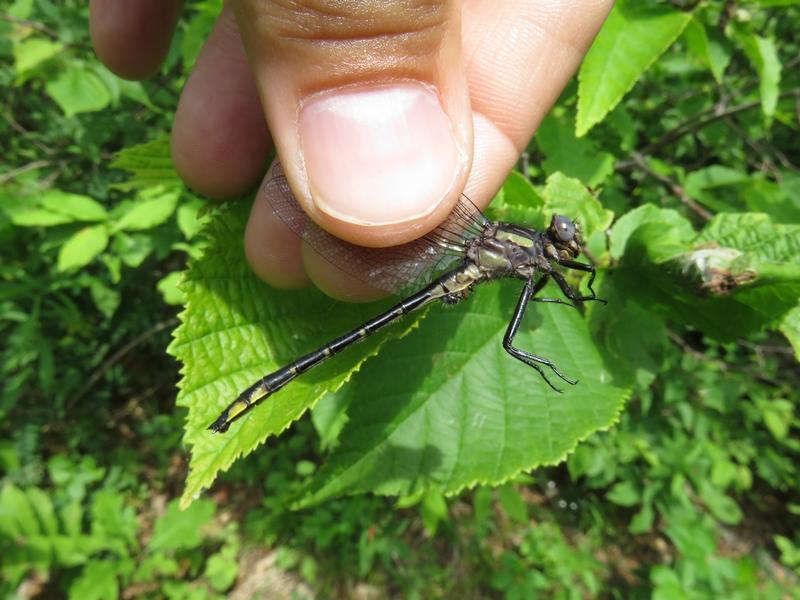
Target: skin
(494, 66)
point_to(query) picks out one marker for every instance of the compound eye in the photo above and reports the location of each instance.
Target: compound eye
(564, 228)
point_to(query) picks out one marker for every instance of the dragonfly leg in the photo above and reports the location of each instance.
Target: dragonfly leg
(539, 285)
(578, 266)
(570, 293)
(526, 357)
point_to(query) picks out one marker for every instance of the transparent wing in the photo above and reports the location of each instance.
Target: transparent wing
(396, 270)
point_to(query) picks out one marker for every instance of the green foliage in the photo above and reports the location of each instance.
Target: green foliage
(676, 152)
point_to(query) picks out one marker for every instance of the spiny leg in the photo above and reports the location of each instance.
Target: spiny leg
(539, 285)
(526, 357)
(570, 293)
(578, 266)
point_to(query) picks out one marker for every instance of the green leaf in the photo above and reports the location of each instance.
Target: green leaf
(720, 505)
(518, 199)
(178, 528)
(112, 519)
(763, 54)
(31, 52)
(17, 516)
(738, 276)
(77, 90)
(105, 298)
(150, 164)
(169, 289)
(82, 247)
(234, 330)
(97, 582)
(189, 218)
(716, 186)
(222, 568)
(574, 157)
(790, 327)
(151, 208)
(568, 196)
(710, 47)
(465, 412)
(43, 506)
(434, 511)
(513, 504)
(75, 206)
(631, 40)
(52, 207)
(624, 493)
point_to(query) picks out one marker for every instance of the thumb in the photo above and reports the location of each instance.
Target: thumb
(367, 104)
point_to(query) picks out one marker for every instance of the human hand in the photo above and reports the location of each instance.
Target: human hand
(381, 112)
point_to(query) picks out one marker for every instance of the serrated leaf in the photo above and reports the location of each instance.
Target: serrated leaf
(573, 156)
(738, 276)
(152, 208)
(631, 40)
(568, 196)
(234, 330)
(77, 90)
(150, 164)
(465, 412)
(82, 247)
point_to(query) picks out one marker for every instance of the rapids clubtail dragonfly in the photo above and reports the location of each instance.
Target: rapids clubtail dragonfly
(467, 247)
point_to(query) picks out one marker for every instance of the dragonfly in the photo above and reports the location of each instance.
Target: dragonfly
(445, 265)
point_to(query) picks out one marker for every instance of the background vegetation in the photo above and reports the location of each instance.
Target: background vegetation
(676, 146)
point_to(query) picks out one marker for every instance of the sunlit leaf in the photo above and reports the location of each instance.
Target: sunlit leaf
(80, 249)
(632, 38)
(78, 90)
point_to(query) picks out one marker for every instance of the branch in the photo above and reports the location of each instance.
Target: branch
(698, 122)
(118, 356)
(673, 186)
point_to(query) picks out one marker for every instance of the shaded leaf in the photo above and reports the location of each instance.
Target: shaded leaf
(574, 157)
(465, 412)
(763, 55)
(710, 47)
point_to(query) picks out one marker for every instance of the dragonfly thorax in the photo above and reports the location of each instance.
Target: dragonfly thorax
(510, 250)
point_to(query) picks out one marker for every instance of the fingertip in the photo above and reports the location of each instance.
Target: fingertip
(220, 140)
(273, 251)
(335, 282)
(132, 38)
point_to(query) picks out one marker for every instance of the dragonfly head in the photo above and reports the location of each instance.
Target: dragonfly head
(565, 236)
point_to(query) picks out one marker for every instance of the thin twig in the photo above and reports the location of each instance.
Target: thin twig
(696, 123)
(673, 186)
(119, 355)
(37, 164)
(32, 24)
